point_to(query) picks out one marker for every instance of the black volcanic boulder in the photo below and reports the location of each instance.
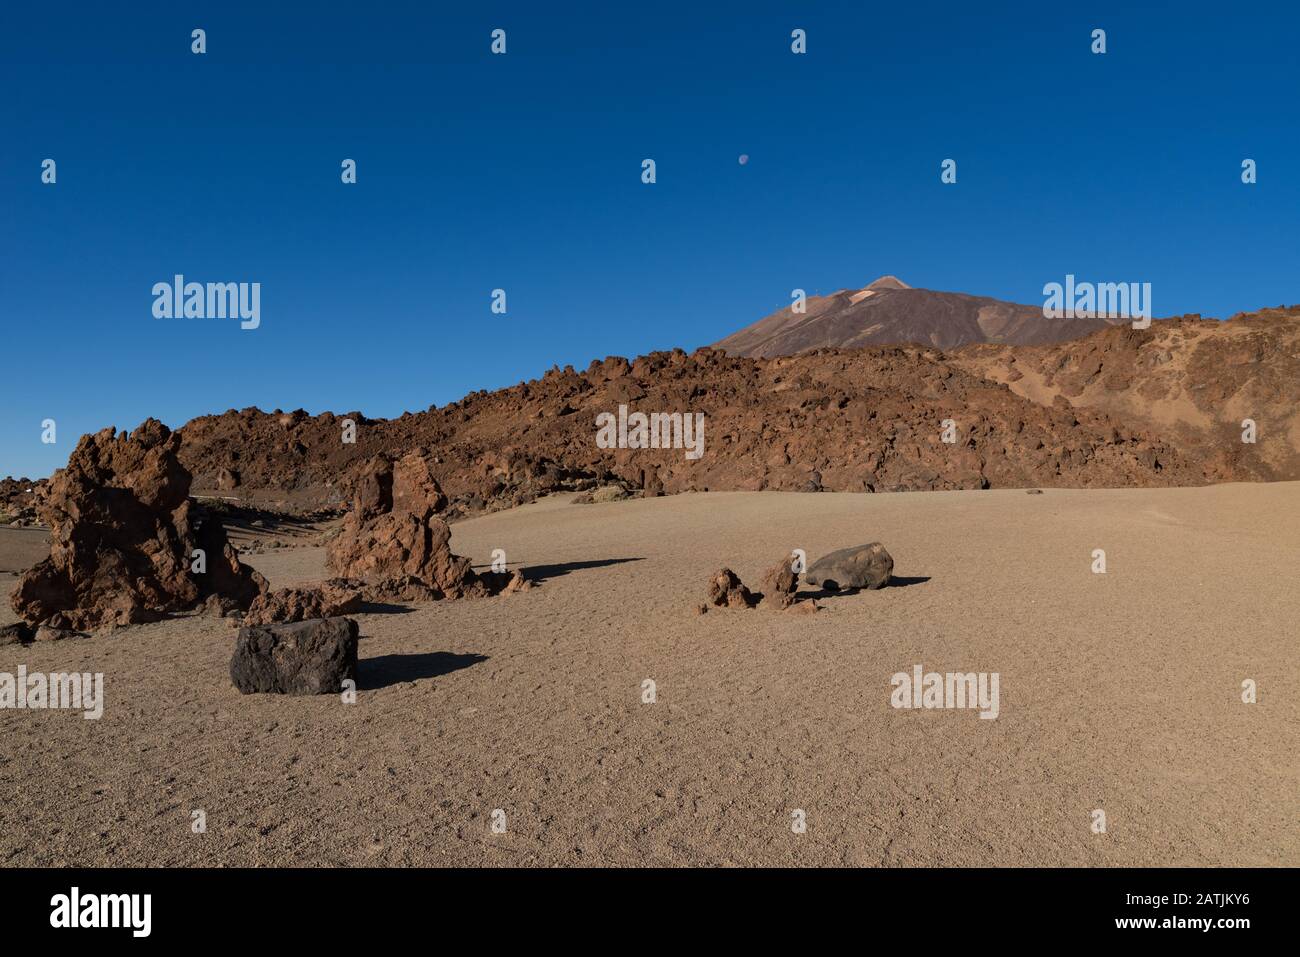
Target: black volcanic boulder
(861, 566)
(18, 633)
(304, 657)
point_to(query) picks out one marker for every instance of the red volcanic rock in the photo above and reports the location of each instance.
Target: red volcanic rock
(779, 584)
(392, 539)
(865, 420)
(517, 583)
(727, 591)
(123, 535)
(330, 599)
(19, 499)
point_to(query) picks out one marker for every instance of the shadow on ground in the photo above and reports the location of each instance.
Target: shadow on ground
(383, 608)
(540, 573)
(385, 670)
(896, 581)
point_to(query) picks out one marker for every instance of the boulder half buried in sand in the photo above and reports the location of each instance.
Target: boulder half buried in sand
(304, 657)
(862, 566)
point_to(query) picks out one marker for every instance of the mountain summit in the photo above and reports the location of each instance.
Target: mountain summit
(890, 312)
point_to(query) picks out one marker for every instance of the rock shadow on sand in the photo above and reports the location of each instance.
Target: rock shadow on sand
(383, 608)
(540, 573)
(385, 670)
(895, 581)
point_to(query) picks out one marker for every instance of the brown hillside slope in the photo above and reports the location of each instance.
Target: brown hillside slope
(839, 421)
(1191, 380)
(889, 312)
(1122, 407)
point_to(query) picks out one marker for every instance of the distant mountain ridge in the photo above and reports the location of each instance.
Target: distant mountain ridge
(1173, 404)
(890, 312)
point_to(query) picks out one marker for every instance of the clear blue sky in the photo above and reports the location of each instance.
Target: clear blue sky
(523, 172)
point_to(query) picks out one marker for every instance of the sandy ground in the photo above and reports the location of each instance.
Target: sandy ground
(1119, 692)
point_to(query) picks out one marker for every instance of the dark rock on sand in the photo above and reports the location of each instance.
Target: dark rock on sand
(305, 657)
(19, 633)
(861, 566)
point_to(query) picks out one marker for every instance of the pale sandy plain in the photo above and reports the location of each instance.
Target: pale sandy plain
(1118, 691)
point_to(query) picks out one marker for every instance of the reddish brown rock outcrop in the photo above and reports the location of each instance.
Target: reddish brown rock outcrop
(392, 538)
(124, 534)
(19, 499)
(330, 599)
(870, 420)
(779, 584)
(727, 591)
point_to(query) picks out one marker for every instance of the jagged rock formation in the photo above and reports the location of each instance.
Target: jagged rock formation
(860, 421)
(330, 599)
(779, 584)
(727, 591)
(123, 539)
(18, 501)
(393, 541)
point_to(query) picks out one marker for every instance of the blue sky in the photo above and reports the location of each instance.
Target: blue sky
(523, 172)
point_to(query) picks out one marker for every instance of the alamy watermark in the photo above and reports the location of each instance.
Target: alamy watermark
(73, 691)
(1108, 300)
(932, 690)
(658, 430)
(214, 300)
(75, 909)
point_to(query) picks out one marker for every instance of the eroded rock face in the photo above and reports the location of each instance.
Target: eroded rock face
(123, 536)
(779, 584)
(305, 657)
(392, 538)
(727, 591)
(330, 599)
(860, 566)
(18, 501)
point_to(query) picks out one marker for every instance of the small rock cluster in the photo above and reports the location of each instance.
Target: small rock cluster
(330, 599)
(849, 569)
(779, 582)
(21, 633)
